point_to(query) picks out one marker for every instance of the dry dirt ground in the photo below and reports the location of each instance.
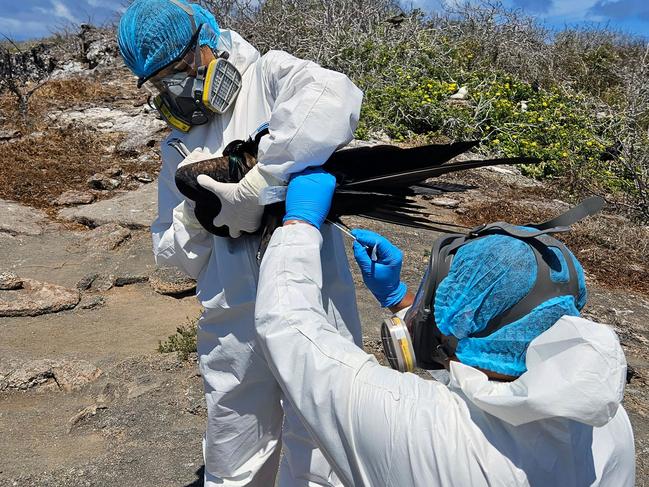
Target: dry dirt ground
(140, 422)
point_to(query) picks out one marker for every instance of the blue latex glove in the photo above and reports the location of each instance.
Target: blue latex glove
(383, 276)
(308, 197)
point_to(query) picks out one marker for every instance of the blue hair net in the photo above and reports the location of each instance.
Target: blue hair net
(487, 277)
(152, 33)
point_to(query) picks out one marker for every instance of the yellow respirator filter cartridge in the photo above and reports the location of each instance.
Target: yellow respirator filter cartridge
(397, 344)
(221, 86)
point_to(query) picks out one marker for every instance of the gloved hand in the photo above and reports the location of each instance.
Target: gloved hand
(240, 208)
(382, 277)
(309, 196)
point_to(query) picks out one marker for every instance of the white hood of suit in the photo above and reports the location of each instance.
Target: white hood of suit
(575, 370)
(242, 53)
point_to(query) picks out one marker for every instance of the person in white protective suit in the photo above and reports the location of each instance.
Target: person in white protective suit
(535, 403)
(178, 50)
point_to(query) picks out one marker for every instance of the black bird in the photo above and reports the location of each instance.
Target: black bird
(396, 20)
(376, 182)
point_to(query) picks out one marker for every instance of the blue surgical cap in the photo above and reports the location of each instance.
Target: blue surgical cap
(152, 33)
(487, 277)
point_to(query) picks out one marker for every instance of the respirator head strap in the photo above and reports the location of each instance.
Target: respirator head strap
(432, 348)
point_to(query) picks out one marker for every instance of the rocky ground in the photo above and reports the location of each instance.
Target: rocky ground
(85, 397)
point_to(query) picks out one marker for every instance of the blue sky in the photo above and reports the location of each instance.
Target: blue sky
(29, 19)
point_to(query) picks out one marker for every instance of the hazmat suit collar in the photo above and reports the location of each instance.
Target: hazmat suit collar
(575, 370)
(242, 53)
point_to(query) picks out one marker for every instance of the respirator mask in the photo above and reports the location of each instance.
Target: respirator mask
(185, 101)
(413, 339)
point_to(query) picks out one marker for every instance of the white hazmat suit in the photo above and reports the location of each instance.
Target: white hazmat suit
(559, 424)
(311, 112)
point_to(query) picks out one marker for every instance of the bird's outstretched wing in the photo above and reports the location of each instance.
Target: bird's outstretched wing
(378, 182)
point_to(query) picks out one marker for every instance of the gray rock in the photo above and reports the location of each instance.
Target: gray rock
(143, 177)
(86, 281)
(97, 45)
(105, 125)
(102, 283)
(128, 280)
(500, 170)
(107, 237)
(84, 414)
(6, 135)
(65, 375)
(136, 122)
(132, 145)
(21, 220)
(114, 172)
(68, 70)
(72, 197)
(10, 281)
(171, 282)
(37, 298)
(445, 202)
(91, 302)
(103, 182)
(135, 209)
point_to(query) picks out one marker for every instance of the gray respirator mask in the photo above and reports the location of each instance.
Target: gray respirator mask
(415, 340)
(186, 101)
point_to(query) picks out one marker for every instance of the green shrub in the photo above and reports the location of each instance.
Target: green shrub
(183, 342)
(586, 89)
(511, 116)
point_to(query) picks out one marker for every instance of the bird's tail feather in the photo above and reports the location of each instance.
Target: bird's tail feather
(388, 197)
(349, 165)
(415, 176)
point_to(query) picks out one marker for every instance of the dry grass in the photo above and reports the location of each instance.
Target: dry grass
(48, 161)
(36, 170)
(62, 94)
(612, 250)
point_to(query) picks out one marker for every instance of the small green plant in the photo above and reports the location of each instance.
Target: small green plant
(183, 342)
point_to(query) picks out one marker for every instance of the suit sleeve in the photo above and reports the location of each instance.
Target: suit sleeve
(314, 112)
(315, 366)
(179, 240)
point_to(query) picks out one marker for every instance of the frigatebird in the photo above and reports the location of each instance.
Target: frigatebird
(377, 182)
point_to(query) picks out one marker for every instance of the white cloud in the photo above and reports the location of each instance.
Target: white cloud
(573, 10)
(21, 29)
(59, 10)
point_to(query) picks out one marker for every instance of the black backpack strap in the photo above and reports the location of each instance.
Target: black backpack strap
(543, 288)
(559, 224)
(512, 230)
(588, 207)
